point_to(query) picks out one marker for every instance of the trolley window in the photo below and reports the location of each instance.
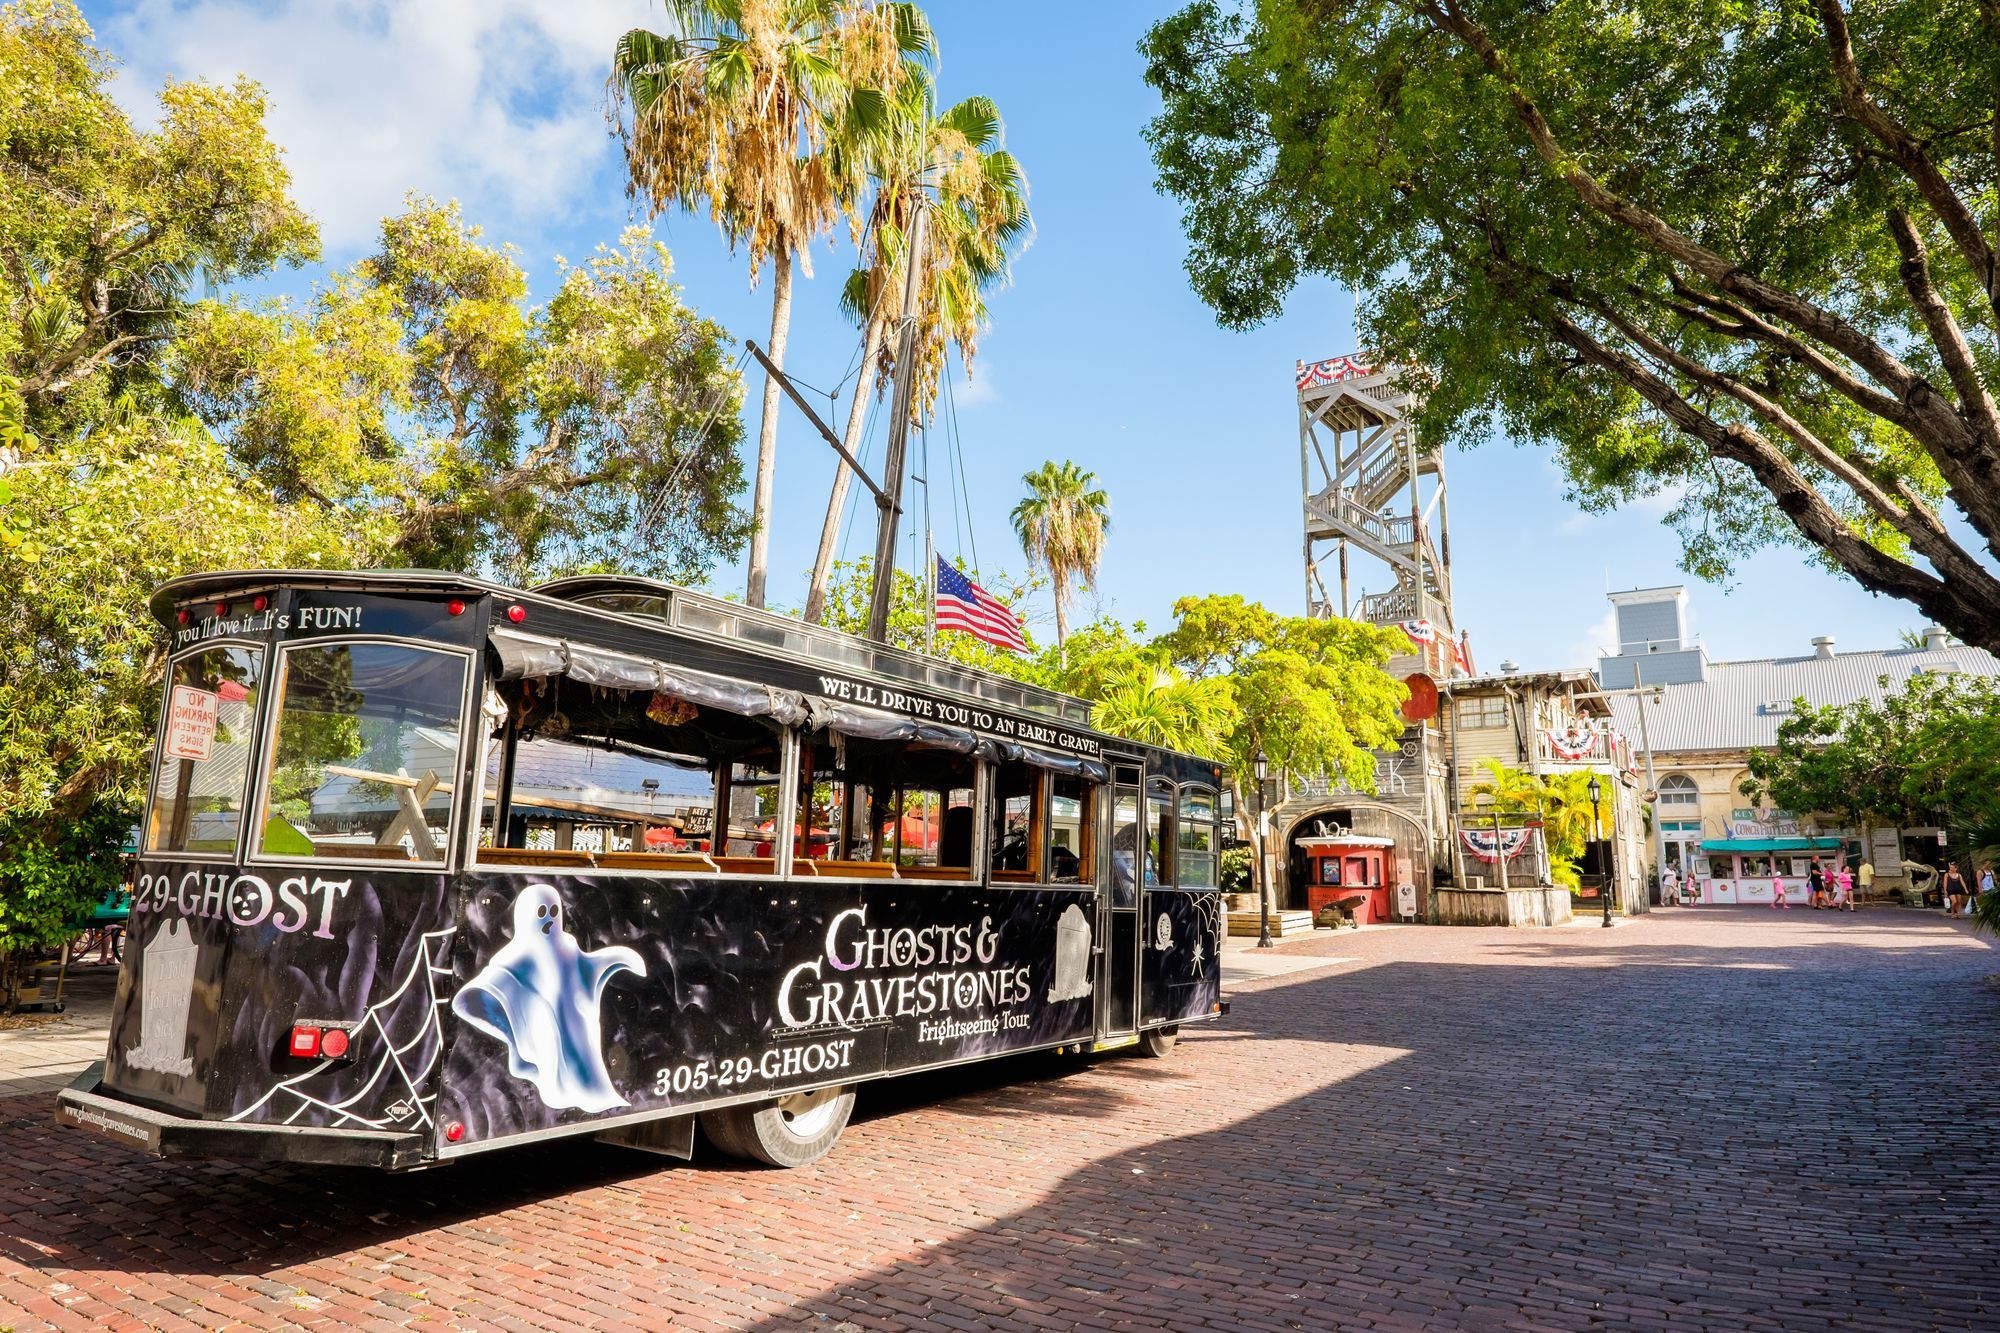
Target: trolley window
(1196, 861)
(211, 706)
(878, 808)
(1159, 833)
(1125, 838)
(364, 753)
(1018, 816)
(1072, 818)
(627, 779)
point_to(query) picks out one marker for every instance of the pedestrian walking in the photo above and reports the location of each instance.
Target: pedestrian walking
(1778, 893)
(1816, 886)
(1844, 880)
(1670, 887)
(1867, 874)
(1954, 889)
(1985, 883)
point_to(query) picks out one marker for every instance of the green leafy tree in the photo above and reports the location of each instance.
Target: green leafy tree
(1062, 524)
(1741, 252)
(1931, 748)
(1310, 693)
(153, 423)
(1146, 698)
(422, 399)
(53, 874)
(1233, 678)
(107, 232)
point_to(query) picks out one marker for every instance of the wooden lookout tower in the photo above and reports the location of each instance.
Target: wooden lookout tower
(1370, 489)
(1373, 494)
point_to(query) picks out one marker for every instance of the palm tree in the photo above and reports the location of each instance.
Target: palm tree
(729, 109)
(1152, 701)
(980, 216)
(1062, 525)
(1561, 800)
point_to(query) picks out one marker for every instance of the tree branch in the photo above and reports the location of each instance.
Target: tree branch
(1943, 327)
(1932, 420)
(1808, 511)
(1903, 510)
(1907, 152)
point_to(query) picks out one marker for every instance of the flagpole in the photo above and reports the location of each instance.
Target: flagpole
(930, 590)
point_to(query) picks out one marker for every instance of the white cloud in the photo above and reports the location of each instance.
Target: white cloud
(498, 103)
(1659, 502)
(975, 389)
(1601, 637)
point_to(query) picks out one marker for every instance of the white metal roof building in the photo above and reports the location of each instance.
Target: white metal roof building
(1738, 705)
(1702, 720)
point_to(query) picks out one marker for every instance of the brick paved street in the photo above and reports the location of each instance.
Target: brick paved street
(1710, 1118)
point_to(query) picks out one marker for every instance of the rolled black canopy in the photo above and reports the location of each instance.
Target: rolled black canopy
(531, 657)
(534, 657)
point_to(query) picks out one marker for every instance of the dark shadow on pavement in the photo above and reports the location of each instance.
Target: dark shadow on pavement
(1790, 1135)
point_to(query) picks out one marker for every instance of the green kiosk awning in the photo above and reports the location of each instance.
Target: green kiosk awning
(1772, 845)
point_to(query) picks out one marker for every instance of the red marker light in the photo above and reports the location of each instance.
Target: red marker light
(305, 1041)
(454, 607)
(517, 613)
(333, 1043)
(222, 608)
(181, 617)
(260, 604)
(454, 1132)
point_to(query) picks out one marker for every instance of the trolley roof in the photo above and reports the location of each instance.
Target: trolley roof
(656, 605)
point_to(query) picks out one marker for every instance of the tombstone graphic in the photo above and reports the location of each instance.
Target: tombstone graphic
(1072, 980)
(167, 972)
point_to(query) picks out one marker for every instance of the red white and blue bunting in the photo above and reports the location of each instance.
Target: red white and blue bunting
(1420, 631)
(1571, 743)
(1489, 845)
(1312, 374)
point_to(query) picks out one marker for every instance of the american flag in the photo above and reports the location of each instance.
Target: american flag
(965, 606)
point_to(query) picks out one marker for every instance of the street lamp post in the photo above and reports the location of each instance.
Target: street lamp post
(1597, 836)
(1263, 769)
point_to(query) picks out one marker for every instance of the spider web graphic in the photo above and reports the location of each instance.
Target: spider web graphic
(1208, 910)
(411, 1009)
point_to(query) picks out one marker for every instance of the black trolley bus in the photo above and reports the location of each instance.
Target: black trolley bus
(433, 866)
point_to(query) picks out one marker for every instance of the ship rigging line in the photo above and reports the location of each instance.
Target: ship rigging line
(956, 444)
(709, 414)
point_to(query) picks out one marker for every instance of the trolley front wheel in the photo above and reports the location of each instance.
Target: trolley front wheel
(1157, 1042)
(795, 1130)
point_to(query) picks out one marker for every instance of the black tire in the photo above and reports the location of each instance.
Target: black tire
(793, 1131)
(1158, 1042)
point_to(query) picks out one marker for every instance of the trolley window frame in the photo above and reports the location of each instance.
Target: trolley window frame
(472, 692)
(258, 722)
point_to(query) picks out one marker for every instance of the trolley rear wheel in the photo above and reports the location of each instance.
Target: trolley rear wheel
(795, 1130)
(1157, 1042)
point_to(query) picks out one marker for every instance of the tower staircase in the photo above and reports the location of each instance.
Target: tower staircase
(1369, 488)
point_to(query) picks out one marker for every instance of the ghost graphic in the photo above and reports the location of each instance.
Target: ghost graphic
(539, 998)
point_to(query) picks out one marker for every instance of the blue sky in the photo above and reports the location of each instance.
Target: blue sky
(1098, 351)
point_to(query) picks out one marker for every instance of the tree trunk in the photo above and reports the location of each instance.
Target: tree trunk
(857, 415)
(1062, 617)
(767, 433)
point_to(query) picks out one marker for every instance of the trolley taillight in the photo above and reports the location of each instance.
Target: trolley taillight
(321, 1041)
